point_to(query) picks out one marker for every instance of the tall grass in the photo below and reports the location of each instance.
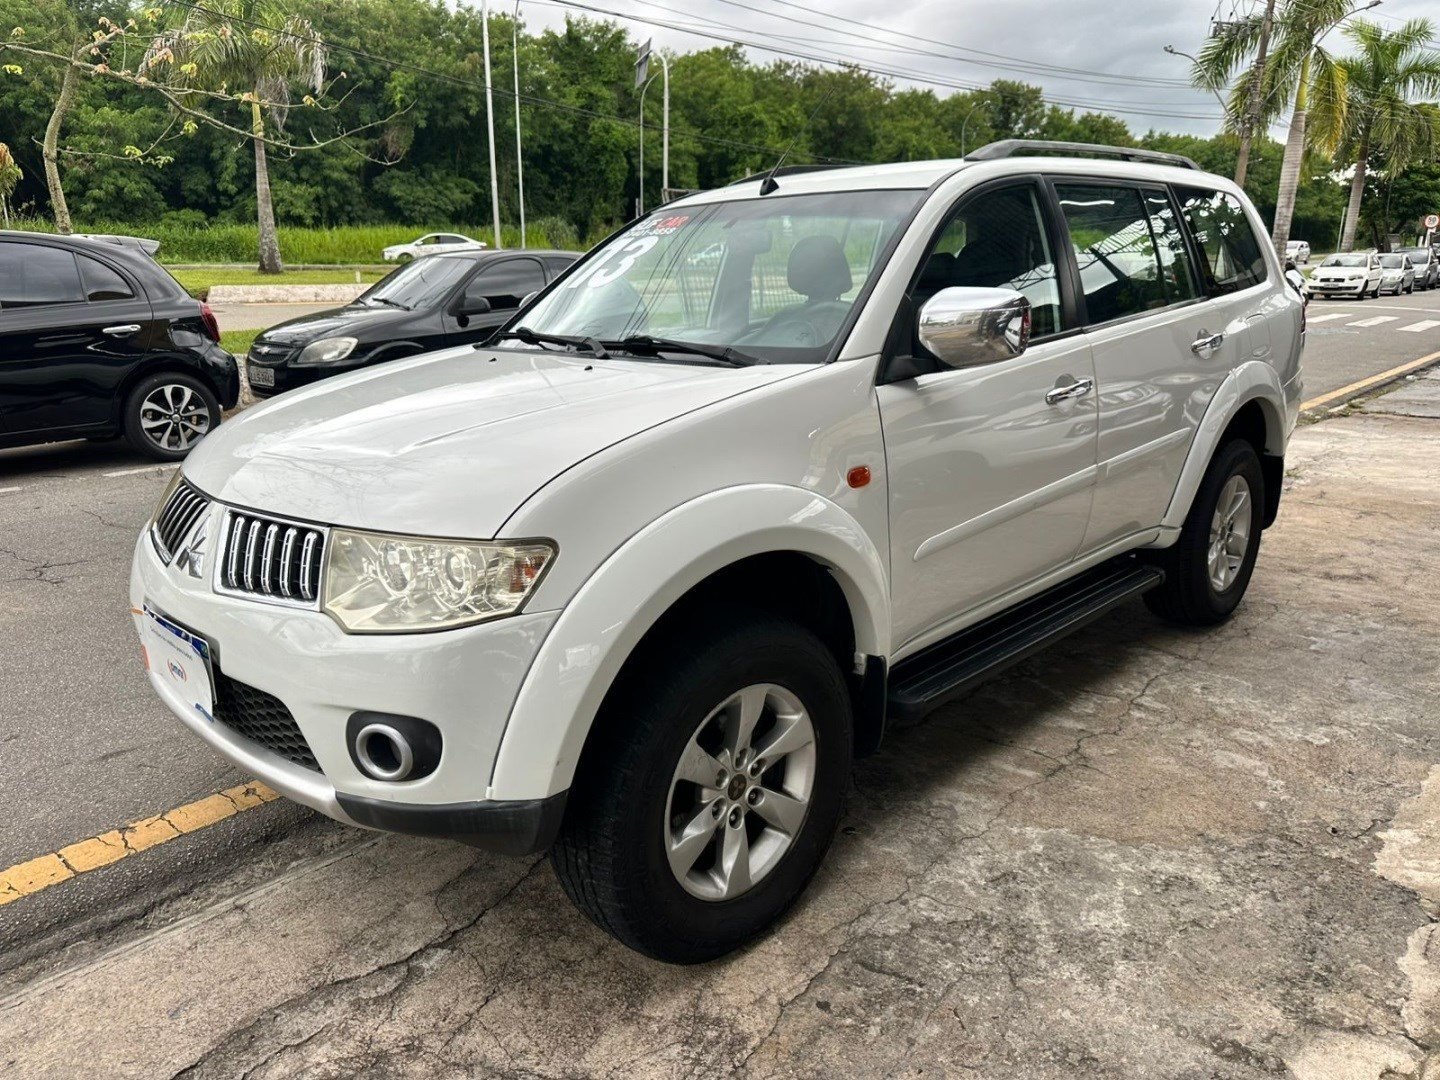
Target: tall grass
(186, 240)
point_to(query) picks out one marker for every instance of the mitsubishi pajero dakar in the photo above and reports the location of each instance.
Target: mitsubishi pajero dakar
(634, 580)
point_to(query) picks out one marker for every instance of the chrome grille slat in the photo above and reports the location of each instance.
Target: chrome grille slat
(177, 517)
(271, 559)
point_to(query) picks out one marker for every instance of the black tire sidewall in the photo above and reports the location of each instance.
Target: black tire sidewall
(131, 417)
(663, 919)
(1236, 458)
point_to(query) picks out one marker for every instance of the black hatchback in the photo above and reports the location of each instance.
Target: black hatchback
(454, 298)
(98, 340)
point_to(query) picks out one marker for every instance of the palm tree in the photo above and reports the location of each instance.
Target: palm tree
(1387, 71)
(1300, 71)
(227, 47)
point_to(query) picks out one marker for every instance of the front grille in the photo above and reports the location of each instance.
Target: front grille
(270, 355)
(271, 559)
(262, 718)
(177, 517)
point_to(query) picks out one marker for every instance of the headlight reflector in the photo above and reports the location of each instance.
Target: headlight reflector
(326, 351)
(383, 583)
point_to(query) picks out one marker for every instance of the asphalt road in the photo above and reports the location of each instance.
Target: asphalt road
(1153, 855)
(84, 745)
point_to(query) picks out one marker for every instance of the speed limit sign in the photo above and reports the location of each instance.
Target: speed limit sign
(1432, 221)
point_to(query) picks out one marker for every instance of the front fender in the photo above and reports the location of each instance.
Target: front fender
(1254, 380)
(602, 624)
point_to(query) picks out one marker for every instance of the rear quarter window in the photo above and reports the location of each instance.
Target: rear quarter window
(1231, 256)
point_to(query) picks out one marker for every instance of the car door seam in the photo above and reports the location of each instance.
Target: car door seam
(998, 515)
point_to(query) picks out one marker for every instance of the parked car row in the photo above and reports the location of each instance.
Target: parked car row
(97, 341)
(1364, 274)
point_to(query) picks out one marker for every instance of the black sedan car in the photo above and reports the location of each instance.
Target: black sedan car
(98, 340)
(455, 298)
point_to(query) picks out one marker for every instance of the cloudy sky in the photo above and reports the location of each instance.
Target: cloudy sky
(1113, 49)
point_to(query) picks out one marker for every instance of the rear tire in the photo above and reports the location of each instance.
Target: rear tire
(167, 414)
(1209, 567)
(624, 852)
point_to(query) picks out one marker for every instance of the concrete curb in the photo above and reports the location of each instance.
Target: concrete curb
(284, 294)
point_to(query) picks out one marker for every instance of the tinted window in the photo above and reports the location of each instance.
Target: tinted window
(1232, 253)
(1123, 270)
(31, 274)
(102, 283)
(424, 282)
(997, 240)
(507, 283)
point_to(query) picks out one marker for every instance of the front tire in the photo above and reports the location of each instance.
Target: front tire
(167, 414)
(1209, 567)
(716, 790)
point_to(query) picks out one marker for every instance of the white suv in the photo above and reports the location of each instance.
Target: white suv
(635, 580)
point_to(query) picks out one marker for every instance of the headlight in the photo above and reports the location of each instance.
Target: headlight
(380, 583)
(326, 351)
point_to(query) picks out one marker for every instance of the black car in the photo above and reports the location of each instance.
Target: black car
(98, 340)
(454, 298)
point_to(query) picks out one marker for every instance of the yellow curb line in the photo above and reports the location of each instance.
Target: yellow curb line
(1365, 384)
(31, 876)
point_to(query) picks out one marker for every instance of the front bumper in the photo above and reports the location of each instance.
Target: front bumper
(1336, 288)
(462, 681)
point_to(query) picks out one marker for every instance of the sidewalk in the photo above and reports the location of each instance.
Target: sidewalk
(1145, 854)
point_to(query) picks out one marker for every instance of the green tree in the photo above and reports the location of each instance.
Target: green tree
(1300, 72)
(1386, 72)
(228, 45)
(10, 177)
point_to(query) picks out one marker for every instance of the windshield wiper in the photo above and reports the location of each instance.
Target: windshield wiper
(530, 337)
(644, 344)
(386, 300)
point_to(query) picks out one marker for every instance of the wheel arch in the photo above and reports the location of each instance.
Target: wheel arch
(158, 365)
(801, 554)
(1249, 404)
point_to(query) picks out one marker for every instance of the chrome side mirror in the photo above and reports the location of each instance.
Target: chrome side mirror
(525, 300)
(966, 327)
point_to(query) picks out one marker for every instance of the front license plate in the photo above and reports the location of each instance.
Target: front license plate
(261, 376)
(179, 659)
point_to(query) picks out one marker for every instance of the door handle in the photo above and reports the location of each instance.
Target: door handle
(1206, 343)
(1077, 389)
(124, 330)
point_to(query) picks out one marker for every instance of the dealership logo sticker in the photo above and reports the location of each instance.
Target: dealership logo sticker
(178, 671)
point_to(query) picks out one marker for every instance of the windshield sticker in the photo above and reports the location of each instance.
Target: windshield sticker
(662, 226)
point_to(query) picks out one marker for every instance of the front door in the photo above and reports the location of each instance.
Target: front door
(990, 473)
(501, 285)
(71, 327)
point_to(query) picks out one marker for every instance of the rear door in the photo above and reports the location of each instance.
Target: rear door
(71, 327)
(501, 285)
(1160, 349)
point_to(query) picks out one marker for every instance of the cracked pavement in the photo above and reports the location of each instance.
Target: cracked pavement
(1145, 853)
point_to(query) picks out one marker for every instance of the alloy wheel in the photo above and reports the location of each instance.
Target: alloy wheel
(740, 792)
(1229, 533)
(173, 416)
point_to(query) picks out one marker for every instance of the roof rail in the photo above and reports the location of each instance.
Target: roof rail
(1022, 147)
(787, 170)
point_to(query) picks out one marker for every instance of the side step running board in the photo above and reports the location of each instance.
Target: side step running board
(948, 668)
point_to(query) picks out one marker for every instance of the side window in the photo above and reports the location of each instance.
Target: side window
(507, 283)
(1233, 259)
(996, 240)
(1177, 273)
(1122, 271)
(102, 283)
(31, 274)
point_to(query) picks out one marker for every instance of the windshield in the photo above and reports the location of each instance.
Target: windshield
(772, 278)
(416, 282)
(1392, 262)
(1347, 260)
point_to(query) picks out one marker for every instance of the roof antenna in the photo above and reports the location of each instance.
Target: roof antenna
(768, 184)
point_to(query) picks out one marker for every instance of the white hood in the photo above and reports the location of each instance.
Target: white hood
(449, 443)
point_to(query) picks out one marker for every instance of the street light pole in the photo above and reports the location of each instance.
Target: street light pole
(640, 202)
(966, 122)
(490, 123)
(664, 132)
(1251, 119)
(519, 154)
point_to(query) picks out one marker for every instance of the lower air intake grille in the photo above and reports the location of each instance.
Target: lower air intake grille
(271, 559)
(262, 718)
(177, 517)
